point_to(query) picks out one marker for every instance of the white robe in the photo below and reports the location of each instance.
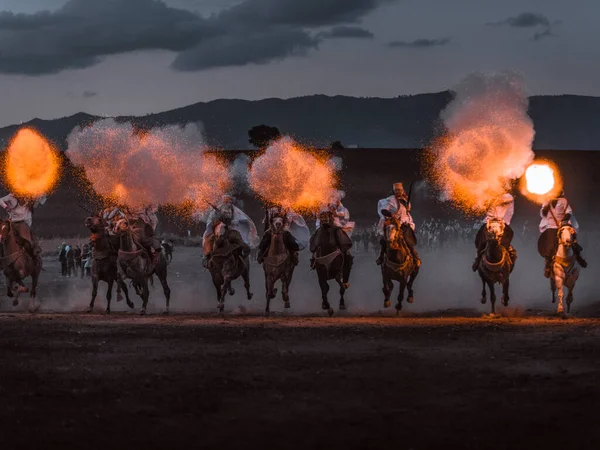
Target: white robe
(397, 209)
(556, 215)
(17, 212)
(240, 222)
(504, 209)
(297, 227)
(148, 215)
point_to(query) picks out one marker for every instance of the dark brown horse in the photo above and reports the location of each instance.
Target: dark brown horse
(134, 262)
(331, 259)
(104, 262)
(398, 264)
(496, 264)
(278, 265)
(228, 264)
(17, 264)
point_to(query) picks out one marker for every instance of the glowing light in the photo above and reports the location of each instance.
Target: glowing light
(31, 166)
(540, 179)
(288, 175)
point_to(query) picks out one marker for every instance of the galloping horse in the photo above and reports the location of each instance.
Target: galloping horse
(398, 264)
(134, 262)
(278, 265)
(329, 246)
(496, 264)
(565, 270)
(227, 264)
(104, 262)
(167, 247)
(17, 264)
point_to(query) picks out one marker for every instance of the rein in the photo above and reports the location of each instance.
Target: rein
(496, 267)
(396, 267)
(328, 259)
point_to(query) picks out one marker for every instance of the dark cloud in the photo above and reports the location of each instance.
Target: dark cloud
(89, 94)
(524, 20)
(420, 43)
(300, 13)
(259, 47)
(81, 32)
(344, 31)
(543, 34)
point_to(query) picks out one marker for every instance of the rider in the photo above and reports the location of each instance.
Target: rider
(556, 214)
(147, 214)
(341, 215)
(290, 242)
(399, 206)
(241, 229)
(111, 214)
(501, 208)
(20, 212)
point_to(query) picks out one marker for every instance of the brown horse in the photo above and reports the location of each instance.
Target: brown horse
(565, 269)
(278, 265)
(104, 262)
(227, 264)
(330, 247)
(17, 264)
(134, 262)
(496, 264)
(398, 263)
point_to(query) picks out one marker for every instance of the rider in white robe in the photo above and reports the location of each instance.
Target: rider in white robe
(554, 215)
(20, 212)
(398, 205)
(341, 217)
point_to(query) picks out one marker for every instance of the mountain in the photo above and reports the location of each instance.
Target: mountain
(561, 122)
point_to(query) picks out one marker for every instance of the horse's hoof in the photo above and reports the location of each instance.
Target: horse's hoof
(483, 300)
(346, 285)
(143, 312)
(267, 313)
(33, 309)
(274, 292)
(15, 302)
(221, 308)
(342, 307)
(107, 311)
(287, 305)
(250, 295)
(89, 310)
(325, 306)
(165, 312)
(330, 312)
(410, 299)
(231, 291)
(130, 304)
(398, 306)
(505, 302)
(387, 304)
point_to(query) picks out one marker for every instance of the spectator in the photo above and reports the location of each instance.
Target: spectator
(77, 254)
(70, 262)
(62, 257)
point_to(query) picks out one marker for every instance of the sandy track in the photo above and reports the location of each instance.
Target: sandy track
(296, 382)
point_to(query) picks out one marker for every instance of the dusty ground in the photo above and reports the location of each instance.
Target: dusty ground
(362, 379)
(298, 382)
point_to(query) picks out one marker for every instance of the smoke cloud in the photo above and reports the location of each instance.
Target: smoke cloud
(487, 142)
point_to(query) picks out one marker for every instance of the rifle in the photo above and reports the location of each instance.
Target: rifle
(267, 224)
(408, 208)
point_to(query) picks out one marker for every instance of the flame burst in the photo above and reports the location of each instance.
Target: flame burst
(542, 181)
(168, 165)
(31, 166)
(288, 175)
(487, 144)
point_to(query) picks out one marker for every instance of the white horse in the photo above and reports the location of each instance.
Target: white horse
(565, 269)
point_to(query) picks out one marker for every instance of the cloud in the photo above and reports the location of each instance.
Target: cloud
(543, 34)
(420, 43)
(343, 31)
(81, 32)
(240, 50)
(89, 94)
(524, 20)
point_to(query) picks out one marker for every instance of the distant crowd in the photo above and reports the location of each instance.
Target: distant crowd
(75, 260)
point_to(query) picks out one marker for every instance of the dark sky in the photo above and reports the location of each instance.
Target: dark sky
(113, 57)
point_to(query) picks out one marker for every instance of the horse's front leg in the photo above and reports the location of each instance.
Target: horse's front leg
(33, 306)
(94, 293)
(324, 285)
(560, 309)
(143, 283)
(269, 292)
(483, 291)
(110, 283)
(246, 277)
(570, 297)
(553, 289)
(492, 296)
(505, 289)
(409, 286)
(400, 295)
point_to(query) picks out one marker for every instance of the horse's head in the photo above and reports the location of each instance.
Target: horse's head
(277, 224)
(5, 230)
(495, 230)
(566, 235)
(326, 218)
(122, 226)
(95, 223)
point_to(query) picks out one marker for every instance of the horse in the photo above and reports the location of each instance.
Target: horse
(496, 265)
(226, 265)
(278, 265)
(398, 264)
(104, 262)
(168, 250)
(565, 269)
(134, 262)
(331, 259)
(17, 264)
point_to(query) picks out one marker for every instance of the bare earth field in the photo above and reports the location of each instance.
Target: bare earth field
(362, 379)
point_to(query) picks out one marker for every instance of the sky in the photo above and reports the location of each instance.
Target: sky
(122, 57)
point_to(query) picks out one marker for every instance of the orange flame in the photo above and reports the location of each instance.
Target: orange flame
(31, 166)
(288, 175)
(541, 182)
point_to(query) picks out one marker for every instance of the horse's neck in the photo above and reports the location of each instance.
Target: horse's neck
(493, 252)
(277, 246)
(327, 242)
(397, 255)
(11, 245)
(126, 243)
(564, 251)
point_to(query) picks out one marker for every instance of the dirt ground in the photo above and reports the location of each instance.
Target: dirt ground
(298, 382)
(439, 376)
